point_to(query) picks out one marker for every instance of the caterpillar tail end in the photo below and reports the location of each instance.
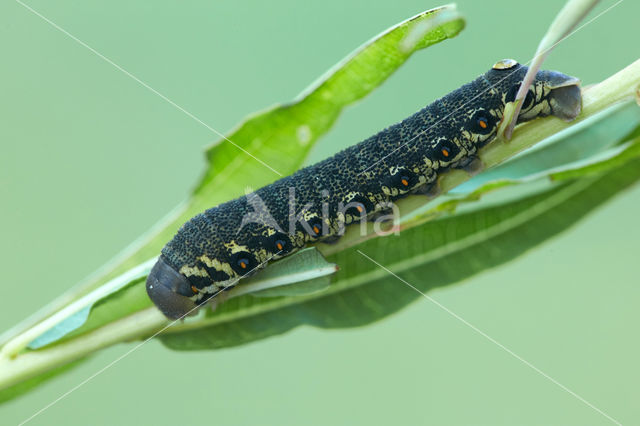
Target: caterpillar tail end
(565, 98)
(164, 285)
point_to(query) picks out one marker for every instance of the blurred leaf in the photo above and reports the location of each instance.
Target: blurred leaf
(627, 152)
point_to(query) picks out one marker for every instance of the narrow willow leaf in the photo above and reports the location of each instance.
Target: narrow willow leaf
(626, 153)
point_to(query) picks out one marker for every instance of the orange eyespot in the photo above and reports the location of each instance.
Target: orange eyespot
(279, 245)
(359, 208)
(194, 289)
(405, 182)
(483, 123)
(445, 152)
(316, 229)
(243, 261)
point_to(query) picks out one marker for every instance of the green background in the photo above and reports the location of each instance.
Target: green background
(90, 159)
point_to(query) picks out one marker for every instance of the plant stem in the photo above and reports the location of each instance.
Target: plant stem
(29, 364)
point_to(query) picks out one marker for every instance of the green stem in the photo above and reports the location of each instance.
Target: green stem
(29, 364)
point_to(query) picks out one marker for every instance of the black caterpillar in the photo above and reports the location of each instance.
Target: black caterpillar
(213, 250)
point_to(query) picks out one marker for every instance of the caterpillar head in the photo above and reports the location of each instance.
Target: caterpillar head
(552, 93)
(168, 289)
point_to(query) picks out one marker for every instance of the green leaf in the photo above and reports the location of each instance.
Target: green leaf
(626, 153)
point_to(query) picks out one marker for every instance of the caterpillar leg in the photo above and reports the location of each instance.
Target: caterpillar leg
(332, 239)
(429, 190)
(383, 214)
(472, 165)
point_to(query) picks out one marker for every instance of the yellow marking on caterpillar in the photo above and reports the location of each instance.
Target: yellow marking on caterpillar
(192, 271)
(217, 265)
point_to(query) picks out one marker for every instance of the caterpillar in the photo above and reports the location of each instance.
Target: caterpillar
(215, 249)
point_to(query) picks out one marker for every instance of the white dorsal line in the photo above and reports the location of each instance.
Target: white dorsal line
(215, 131)
(492, 340)
(145, 85)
